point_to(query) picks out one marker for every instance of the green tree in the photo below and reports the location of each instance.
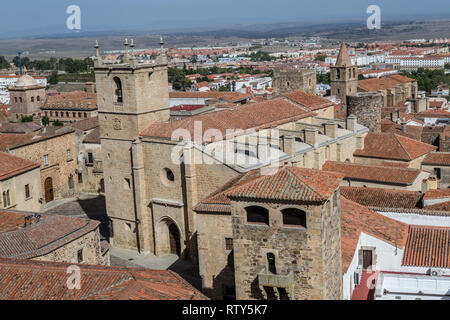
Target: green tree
(4, 64)
(53, 79)
(321, 57)
(178, 79)
(58, 123)
(26, 119)
(45, 121)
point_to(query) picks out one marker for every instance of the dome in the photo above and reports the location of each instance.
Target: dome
(26, 81)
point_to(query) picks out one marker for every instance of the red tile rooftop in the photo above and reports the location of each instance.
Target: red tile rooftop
(251, 116)
(12, 166)
(394, 147)
(427, 247)
(437, 158)
(380, 174)
(36, 280)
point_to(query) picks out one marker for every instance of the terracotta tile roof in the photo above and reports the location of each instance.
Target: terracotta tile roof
(44, 235)
(393, 146)
(356, 218)
(383, 198)
(257, 116)
(412, 132)
(12, 166)
(437, 194)
(77, 100)
(36, 280)
(427, 247)
(402, 79)
(93, 137)
(226, 96)
(430, 113)
(360, 172)
(437, 158)
(25, 127)
(218, 201)
(443, 206)
(307, 100)
(290, 184)
(378, 84)
(12, 141)
(86, 125)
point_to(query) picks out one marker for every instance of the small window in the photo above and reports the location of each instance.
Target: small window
(90, 158)
(32, 99)
(118, 90)
(271, 263)
(228, 244)
(38, 98)
(256, 214)
(56, 113)
(20, 100)
(128, 226)
(15, 99)
(79, 114)
(46, 160)
(70, 182)
(80, 255)
(27, 191)
(169, 175)
(69, 156)
(85, 115)
(80, 177)
(6, 199)
(74, 115)
(294, 217)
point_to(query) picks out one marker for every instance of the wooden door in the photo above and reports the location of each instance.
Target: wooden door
(48, 186)
(174, 238)
(367, 259)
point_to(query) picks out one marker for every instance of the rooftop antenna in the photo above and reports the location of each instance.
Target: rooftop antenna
(20, 63)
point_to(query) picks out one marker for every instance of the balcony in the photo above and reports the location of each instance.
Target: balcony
(267, 279)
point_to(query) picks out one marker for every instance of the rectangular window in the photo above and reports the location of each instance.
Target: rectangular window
(46, 160)
(90, 158)
(228, 244)
(80, 178)
(69, 156)
(80, 255)
(27, 191)
(6, 199)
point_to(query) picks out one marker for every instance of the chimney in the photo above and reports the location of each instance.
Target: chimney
(351, 122)
(289, 144)
(331, 129)
(90, 87)
(424, 186)
(311, 136)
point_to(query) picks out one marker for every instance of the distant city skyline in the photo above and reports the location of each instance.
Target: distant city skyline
(49, 16)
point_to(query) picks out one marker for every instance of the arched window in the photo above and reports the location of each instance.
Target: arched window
(338, 74)
(294, 217)
(15, 99)
(118, 90)
(256, 214)
(85, 115)
(20, 100)
(271, 263)
(38, 98)
(32, 99)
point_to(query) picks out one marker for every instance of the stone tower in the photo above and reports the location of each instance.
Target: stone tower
(366, 106)
(131, 96)
(27, 98)
(285, 81)
(286, 236)
(343, 76)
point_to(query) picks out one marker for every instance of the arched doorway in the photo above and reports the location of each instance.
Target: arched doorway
(168, 237)
(48, 187)
(174, 240)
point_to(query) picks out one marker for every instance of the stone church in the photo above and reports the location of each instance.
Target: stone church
(158, 173)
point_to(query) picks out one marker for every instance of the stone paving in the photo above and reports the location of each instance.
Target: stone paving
(93, 206)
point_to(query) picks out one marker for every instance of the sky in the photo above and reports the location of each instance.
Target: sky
(49, 16)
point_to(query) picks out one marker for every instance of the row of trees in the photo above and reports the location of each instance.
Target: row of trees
(428, 80)
(68, 64)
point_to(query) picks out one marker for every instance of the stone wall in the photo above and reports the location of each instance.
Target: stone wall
(285, 81)
(89, 243)
(366, 106)
(313, 253)
(60, 167)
